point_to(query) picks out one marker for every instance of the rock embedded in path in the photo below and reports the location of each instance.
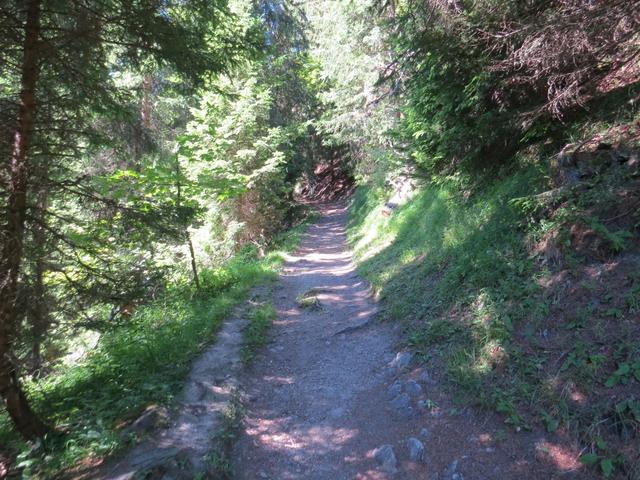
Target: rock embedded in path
(402, 405)
(451, 469)
(426, 378)
(395, 390)
(401, 401)
(386, 457)
(416, 449)
(401, 360)
(153, 418)
(412, 387)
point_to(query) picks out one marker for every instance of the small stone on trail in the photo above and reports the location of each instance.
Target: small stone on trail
(401, 401)
(412, 387)
(451, 470)
(426, 378)
(457, 476)
(152, 418)
(401, 360)
(416, 449)
(395, 389)
(425, 432)
(385, 456)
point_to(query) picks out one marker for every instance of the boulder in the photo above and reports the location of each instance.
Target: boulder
(386, 457)
(416, 450)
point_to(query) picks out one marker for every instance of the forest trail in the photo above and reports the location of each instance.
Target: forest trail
(315, 408)
(331, 397)
(331, 389)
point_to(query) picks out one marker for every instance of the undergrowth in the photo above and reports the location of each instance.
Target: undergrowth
(142, 362)
(548, 341)
(255, 335)
(218, 460)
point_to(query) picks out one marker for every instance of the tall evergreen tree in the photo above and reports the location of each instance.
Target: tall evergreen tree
(60, 63)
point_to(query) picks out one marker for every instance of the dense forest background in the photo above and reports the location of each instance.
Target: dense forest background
(154, 152)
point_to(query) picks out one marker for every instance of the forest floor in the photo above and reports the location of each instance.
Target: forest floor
(333, 396)
(328, 393)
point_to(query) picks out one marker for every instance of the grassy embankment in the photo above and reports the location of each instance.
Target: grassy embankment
(530, 306)
(141, 363)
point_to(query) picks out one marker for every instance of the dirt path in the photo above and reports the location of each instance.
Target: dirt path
(315, 407)
(331, 389)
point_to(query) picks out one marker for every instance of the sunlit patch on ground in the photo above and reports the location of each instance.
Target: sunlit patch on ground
(278, 435)
(562, 457)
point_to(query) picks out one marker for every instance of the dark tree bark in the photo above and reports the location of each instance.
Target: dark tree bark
(13, 231)
(39, 318)
(194, 266)
(187, 236)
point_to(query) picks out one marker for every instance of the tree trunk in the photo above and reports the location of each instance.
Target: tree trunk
(194, 267)
(13, 231)
(187, 236)
(145, 107)
(39, 313)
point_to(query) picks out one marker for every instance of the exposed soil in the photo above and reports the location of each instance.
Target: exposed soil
(329, 390)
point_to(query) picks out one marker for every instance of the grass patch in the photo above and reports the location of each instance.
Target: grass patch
(454, 268)
(309, 299)
(255, 335)
(219, 460)
(550, 344)
(142, 362)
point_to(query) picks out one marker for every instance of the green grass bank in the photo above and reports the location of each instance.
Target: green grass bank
(526, 301)
(141, 363)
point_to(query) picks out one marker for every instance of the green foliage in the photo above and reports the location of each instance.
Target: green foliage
(309, 299)
(617, 240)
(460, 269)
(255, 334)
(624, 373)
(219, 461)
(602, 457)
(436, 333)
(445, 254)
(356, 109)
(168, 138)
(447, 116)
(142, 362)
